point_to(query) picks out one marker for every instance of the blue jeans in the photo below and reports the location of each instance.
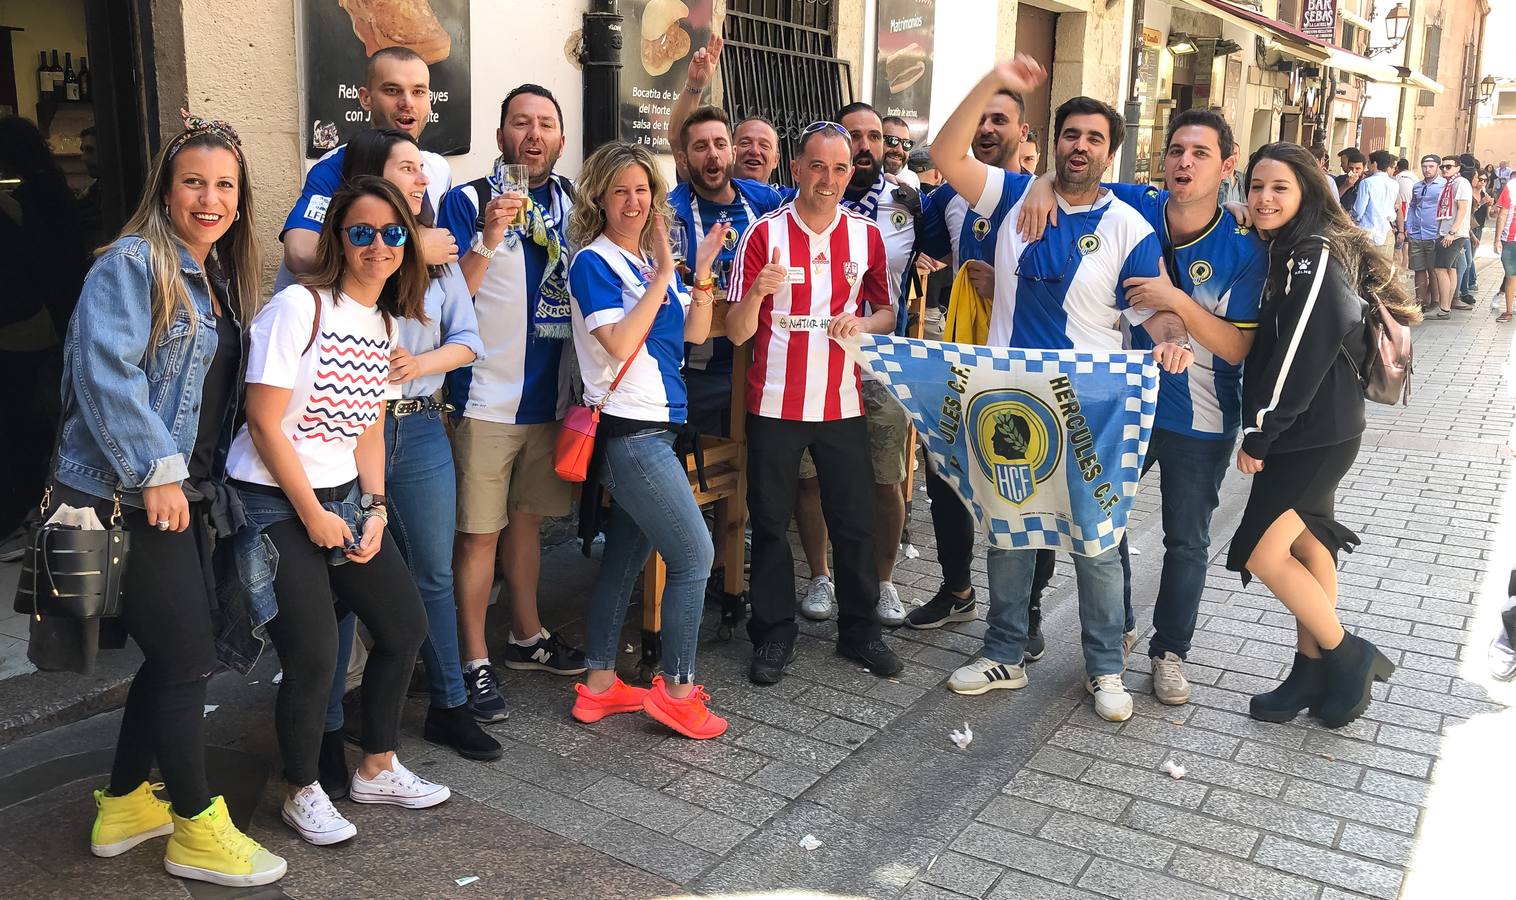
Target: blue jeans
(422, 492)
(1468, 279)
(653, 509)
(1192, 472)
(1100, 608)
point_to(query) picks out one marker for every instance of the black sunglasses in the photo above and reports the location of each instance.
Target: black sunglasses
(363, 235)
(892, 141)
(1040, 278)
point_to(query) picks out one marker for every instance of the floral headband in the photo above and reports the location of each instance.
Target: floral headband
(194, 126)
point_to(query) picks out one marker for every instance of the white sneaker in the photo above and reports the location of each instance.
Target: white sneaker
(311, 813)
(983, 674)
(397, 787)
(1112, 701)
(1128, 641)
(820, 601)
(891, 610)
(1169, 685)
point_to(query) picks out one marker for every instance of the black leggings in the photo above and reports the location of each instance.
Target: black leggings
(167, 612)
(383, 595)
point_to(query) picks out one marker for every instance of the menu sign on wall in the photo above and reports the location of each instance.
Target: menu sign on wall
(1319, 20)
(658, 38)
(339, 37)
(903, 71)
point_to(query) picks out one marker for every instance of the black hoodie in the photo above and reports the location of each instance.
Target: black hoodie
(1299, 388)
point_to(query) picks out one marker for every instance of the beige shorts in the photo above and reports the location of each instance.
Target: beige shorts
(504, 469)
(889, 433)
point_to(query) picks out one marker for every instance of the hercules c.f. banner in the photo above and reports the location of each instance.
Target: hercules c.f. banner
(1044, 446)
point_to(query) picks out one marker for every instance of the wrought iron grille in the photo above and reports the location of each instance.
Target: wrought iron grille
(780, 63)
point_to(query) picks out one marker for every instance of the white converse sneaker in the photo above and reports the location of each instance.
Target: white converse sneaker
(311, 813)
(820, 601)
(891, 610)
(397, 787)
(1169, 685)
(1112, 701)
(984, 674)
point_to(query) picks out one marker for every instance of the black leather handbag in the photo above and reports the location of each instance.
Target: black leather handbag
(72, 572)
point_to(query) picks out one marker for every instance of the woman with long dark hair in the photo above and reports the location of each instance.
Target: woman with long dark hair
(1303, 417)
(151, 372)
(317, 380)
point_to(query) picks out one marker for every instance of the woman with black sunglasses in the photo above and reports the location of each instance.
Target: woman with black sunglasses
(317, 380)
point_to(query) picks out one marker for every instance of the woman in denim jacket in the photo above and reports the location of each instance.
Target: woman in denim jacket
(150, 390)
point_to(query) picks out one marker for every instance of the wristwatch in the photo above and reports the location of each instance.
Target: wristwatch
(367, 502)
(479, 248)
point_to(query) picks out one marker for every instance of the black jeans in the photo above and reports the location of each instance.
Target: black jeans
(383, 595)
(953, 527)
(166, 610)
(840, 450)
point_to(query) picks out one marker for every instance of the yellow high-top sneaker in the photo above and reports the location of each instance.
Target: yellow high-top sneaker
(210, 848)
(122, 823)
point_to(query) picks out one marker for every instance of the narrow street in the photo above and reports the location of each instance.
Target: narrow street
(1048, 802)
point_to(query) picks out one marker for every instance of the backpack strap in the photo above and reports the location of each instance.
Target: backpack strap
(482, 192)
(315, 322)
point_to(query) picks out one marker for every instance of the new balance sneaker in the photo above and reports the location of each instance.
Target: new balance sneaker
(875, 655)
(1035, 644)
(1169, 684)
(311, 813)
(208, 847)
(820, 601)
(1128, 641)
(546, 654)
(769, 660)
(945, 607)
(891, 612)
(689, 715)
(983, 675)
(1112, 701)
(484, 698)
(618, 698)
(397, 786)
(122, 823)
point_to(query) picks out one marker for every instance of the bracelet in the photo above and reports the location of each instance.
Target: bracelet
(479, 248)
(695, 301)
(704, 284)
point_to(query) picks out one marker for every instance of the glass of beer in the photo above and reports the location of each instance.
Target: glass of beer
(514, 182)
(677, 241)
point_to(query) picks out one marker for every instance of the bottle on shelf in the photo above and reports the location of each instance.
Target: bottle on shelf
(44, 75)
(86, 85)
(57, 78)
(70, 78)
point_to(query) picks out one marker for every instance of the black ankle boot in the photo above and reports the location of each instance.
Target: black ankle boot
(331, 765)
(1300, 689)
(457, 729)
(1349, 670)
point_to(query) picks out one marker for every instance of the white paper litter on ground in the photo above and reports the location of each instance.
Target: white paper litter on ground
(809, 842)
(1175, 770)
(962, 738)
(465, 880)
(909, 551)
(1134, 551)
(210, 708)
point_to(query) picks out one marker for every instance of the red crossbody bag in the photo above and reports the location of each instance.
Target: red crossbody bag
(576, 437)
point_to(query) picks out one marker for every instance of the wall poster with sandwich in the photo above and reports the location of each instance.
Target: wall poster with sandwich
(338, 36)
(657, 39)
(903, 74)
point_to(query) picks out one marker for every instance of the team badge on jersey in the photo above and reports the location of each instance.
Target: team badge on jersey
(898, 218)
(981, 228)
(1200, 272)
(1017, 441)
(850, 272)
(729, 240)
(1089, 244)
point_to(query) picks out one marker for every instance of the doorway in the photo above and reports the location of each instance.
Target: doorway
(1035, 29)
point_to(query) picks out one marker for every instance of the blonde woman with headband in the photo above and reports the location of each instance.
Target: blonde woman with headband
(631, 316)
(152, 369)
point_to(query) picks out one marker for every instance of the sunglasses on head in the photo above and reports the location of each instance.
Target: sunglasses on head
(904, 143)
(822, 126)
(363, 235)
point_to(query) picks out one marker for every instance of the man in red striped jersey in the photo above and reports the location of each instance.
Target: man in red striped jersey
(805, 273)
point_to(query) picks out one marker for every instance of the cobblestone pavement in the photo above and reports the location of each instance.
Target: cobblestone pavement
(1049, 801)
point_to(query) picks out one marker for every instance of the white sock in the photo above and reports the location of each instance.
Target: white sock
(473, 664)
(531, 642)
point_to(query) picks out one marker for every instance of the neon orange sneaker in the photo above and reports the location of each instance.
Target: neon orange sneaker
(689, 716)
(619, 698)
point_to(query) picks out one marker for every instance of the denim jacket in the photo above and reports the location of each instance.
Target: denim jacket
(131, 410)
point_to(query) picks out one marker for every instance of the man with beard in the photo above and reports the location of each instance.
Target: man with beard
(1212, 277)
(1063, 291)
(509, 401)
(897, 148)
(396, 94)
(755, 138)
(709, 197)
(895, 209)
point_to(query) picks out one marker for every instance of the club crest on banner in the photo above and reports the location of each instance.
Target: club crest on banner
(1017, 440)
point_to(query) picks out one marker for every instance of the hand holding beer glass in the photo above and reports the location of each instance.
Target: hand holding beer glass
(506, 212)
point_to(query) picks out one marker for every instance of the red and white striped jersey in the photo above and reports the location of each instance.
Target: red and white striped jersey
(798, 373)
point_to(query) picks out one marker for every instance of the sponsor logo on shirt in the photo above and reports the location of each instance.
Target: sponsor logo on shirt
(802, 323)
(315, 209)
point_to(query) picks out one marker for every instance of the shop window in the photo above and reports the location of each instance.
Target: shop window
(1431, 54)
(1289, 12)
(1505, 103)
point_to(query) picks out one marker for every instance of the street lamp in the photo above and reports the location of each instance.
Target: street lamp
(1181, 43)
(1395, 22)
(1486, 88)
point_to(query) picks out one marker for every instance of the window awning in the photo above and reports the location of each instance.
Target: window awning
(1291, 40)
(1412, 80)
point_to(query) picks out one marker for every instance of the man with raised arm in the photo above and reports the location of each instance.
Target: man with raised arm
(1062, 291)
(755, 139)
